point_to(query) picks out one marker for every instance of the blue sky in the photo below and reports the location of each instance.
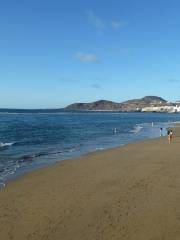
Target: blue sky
(56, 52)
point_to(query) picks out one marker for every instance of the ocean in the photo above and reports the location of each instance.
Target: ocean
(30, 141)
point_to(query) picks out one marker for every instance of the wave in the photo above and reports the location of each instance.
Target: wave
(2, 145)
(99, 149)
(136, 129)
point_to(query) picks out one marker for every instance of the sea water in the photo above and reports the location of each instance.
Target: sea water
(30, 141)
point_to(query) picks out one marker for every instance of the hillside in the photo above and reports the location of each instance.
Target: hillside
(98, 105)
(130, 105)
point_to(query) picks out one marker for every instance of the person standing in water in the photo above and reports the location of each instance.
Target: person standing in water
(115, 130)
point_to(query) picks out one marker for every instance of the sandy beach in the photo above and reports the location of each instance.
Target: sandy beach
(131, 192)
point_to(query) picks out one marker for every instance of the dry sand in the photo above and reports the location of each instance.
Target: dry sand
(132, 192)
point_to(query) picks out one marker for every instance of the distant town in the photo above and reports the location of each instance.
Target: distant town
(169, 108)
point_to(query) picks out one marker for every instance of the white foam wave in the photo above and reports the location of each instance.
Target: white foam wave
(99, 148)
(5, 144)
(137, 129)
(177, 122)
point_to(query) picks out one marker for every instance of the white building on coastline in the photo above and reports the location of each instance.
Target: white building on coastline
(166, 108)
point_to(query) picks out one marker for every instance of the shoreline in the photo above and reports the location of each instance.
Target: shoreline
(130, 193)
(137, 136)
(88, 154)
(83, 156)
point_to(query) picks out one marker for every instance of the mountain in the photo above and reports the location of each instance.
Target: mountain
(137, 104)
(130, 105)
(147, 100)
(98, 105)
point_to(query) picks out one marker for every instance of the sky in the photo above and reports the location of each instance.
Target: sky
(57, 52)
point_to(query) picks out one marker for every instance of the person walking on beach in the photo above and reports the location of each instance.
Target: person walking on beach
(161, 132)
(170, 134)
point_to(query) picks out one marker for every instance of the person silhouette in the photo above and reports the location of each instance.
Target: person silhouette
(161, 132)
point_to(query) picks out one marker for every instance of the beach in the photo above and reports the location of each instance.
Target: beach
(130, 192)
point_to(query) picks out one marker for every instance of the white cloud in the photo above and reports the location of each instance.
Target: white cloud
(68, 79)
(83, 57)
(100, 24)
(97, 22)
(173, 80)
(96, 85)
(120, 51)
(118, 24)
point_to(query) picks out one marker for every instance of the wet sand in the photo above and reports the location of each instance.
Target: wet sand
(131, 192)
